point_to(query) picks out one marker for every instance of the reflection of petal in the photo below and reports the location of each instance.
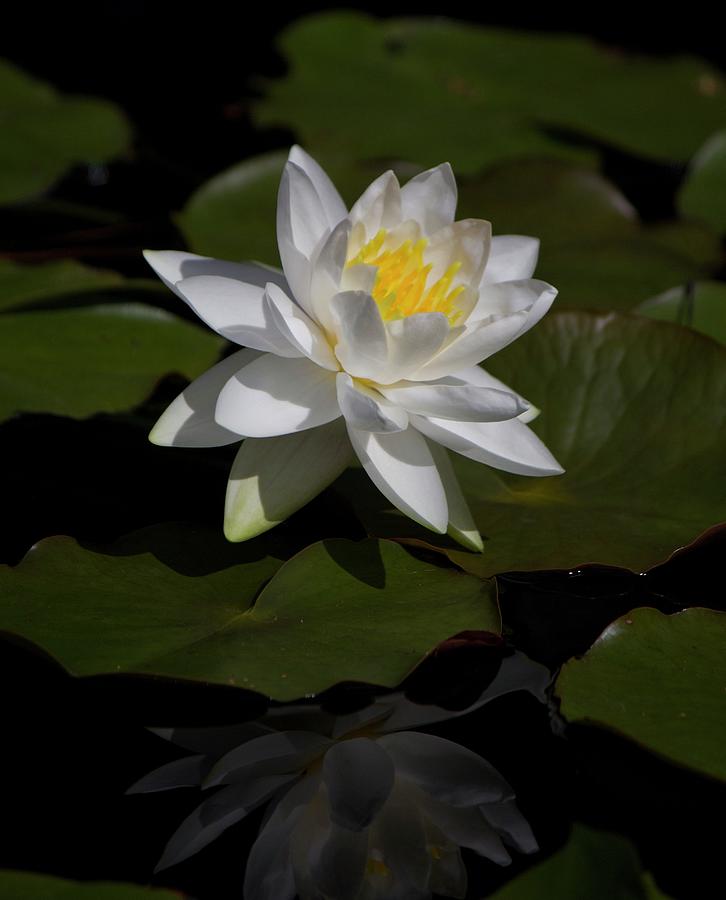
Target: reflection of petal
(185, 772)
(511, 825)
(271, 754)
(465, 826)
(354, 801)
(273, 396)
(215, 815)
(447, 771)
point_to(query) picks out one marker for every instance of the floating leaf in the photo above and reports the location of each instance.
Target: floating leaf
(701, 306)
(593, 864)
(659, 680)
(45, 133)
(31, 886)
(703, 192)
(635, 411)
(21, 285)
(77, 362)
(338, 611)
(476, 96)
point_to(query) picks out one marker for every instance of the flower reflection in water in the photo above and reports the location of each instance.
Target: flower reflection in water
(361, 806)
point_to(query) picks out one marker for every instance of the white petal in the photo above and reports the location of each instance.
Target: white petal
(480, 377)
(174, 265)
(447, 771)
(189, 420)
(272, 478)
(511, 257)
(235, 310)
(430, 198)
(508, 821)
(328, 274)
(412, 342)
(465, 242)
(402, 468)
(362, 347)
(331, 201)
(462, 527)
(452, 398)
(511, 446)
(530, 296)
(466, 827)
(477, 342)
(298, 328)
(271, 754)
(358, 775)
(379, 206)
(365, 409)
(215, 815)
(273, 396)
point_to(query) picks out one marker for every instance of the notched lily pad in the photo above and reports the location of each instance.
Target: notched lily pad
(338, 611)
(15, 885)
(659, 680)
(700, 305)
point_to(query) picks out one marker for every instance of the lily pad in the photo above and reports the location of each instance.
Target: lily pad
(45, 133)
(21, 285)
(493, 94)
(31, 886)
(338, 611)
(108, 358)
(635, 411)
(659, 680)
(703, 192)
(594, 248)
(701, 305)
(593, 864)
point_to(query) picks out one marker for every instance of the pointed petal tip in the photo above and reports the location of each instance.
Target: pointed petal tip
(470, 540)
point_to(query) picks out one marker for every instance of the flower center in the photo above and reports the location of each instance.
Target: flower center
(401, 288)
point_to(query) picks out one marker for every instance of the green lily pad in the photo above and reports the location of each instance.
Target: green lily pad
(594, 249)
(701, 306)
(593, 864)
(635, 411)
(338, 611)
(45, 133)
(659, 680)
(31, 886)
(21, 285)
(77, 362)
(476, 96)
(703, 192)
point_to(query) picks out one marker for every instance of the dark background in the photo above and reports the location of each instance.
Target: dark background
(185, 77)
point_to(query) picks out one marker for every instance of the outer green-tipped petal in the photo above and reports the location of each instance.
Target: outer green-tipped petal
(189, 420)
(462, 527)
(272, 478)
(402, 468)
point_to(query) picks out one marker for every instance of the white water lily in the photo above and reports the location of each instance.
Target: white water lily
(361, 807)
(368, 345)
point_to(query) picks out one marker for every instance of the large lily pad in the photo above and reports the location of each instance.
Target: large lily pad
(31, 886)
(491, 94)
(107, 358)
(21, 285)
(703, 192)
(45, 133)
(635, 411)
(660, 680)
(338, 611)
(593, 865)
(700, 305)
(594, 250)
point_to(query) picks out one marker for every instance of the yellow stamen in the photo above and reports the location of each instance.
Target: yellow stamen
(377, 867)
(400, 288)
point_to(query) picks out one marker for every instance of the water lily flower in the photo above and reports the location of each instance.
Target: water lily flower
(360, 806)
(366, 345)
